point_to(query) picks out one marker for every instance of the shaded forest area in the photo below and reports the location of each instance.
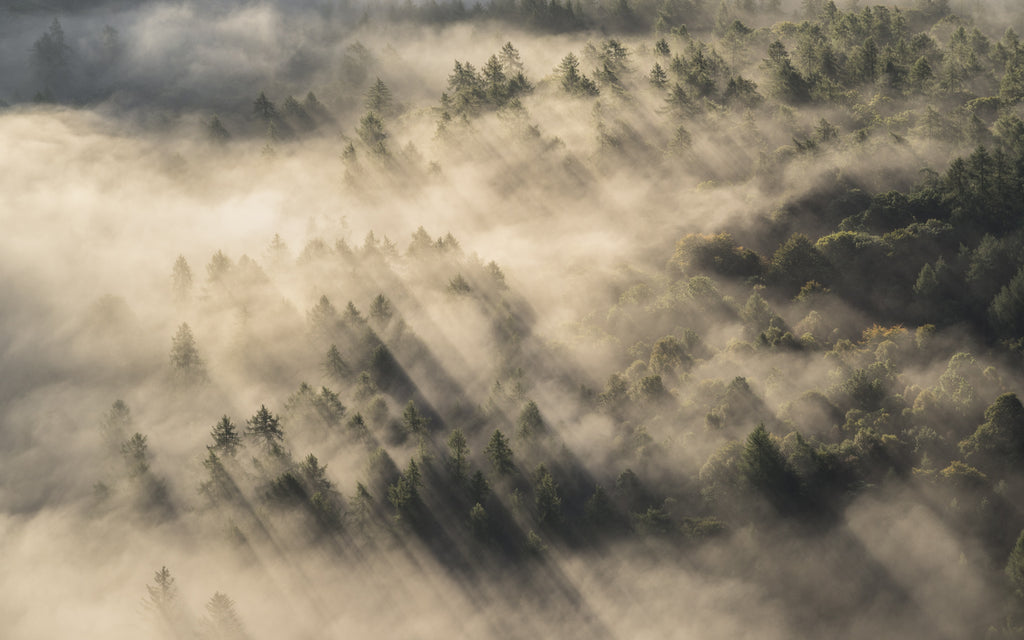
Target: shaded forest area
(639, 319)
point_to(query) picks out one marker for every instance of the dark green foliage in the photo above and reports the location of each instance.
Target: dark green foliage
(385, 371)
(116, 423)
(998, 444)
(265, 429)
(226, 439)
(404, 494)
(1007, 308)
(296, 115)
(51, 58)
(136, 455)
(718, 254)
(336, 366)
(458, 457)
(546, 498)
(1015, 567)
(702, 528)
(371, 132)
(786, 83)
(458, 285)
(264, 108)
(530, 424)
(378, 99)
(742, 92)
(668, 355)
(573, 81)
(479, 488)
(658, 77)
(652, 521)
(598, 510)
(413, 422)
(219, 486)
(796, 263)
(479, 523)
(380, 309)
(768, 472)
(499, 453)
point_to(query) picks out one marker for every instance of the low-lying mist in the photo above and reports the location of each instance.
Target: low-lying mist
(556, 319)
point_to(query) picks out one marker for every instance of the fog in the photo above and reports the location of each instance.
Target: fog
(161, 273)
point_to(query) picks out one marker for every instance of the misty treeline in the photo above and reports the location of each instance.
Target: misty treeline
(749, 362)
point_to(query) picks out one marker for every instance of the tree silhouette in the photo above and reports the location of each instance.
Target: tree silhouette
(265, 429)
(499, 453)
(187, 367)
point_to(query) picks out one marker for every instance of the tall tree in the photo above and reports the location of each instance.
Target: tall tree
(265, 429)
(530, 423)
(222, 621)
(187, 366)
(767, 470)
(378, 99)
(458, 457)
(51, 58)
(181, 280)
(226, 439)
(500, 453)
(264, 108)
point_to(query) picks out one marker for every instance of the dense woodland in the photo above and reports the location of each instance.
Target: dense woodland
(791, 388)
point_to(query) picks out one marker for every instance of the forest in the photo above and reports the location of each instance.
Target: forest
(512, 319)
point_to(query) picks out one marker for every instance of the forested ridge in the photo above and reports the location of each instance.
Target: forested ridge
(592, 319)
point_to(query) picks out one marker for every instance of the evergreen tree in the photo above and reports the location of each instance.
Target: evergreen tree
(378, 99)
(767, 470)
(371, 132)
(500, 453)
(136, 455)
(458, 458)
(187, 366)
(413, 422)
(222, 622)
(264, 108)
(530, 423)
(181, 280)
(51, 57)
(545, 493)
(265, 429)
(1015, 567)
(216, 131)
(226, 439)
(380, 309)
(336, 366)
(658, 77)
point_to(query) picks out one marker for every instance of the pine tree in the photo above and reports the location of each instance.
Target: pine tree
(264, 108)
(500, 453)
(265, 428)
(546, 498)
(136, 455)
(181, 280)
(458, 463)
(187, 366)
(380, 309)
(378, 98)
(767, 470)
(226, 439)
(222, 622)
(530, 423)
